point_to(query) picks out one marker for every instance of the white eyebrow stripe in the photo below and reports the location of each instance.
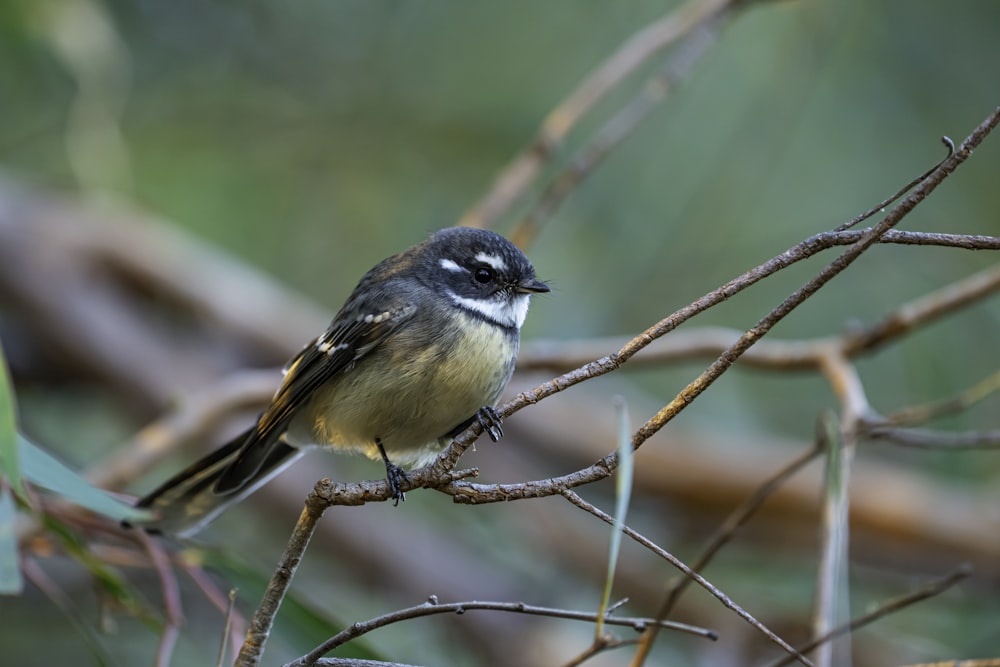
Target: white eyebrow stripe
(449, 265)
(494, 261)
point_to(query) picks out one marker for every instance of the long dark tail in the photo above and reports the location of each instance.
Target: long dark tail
(187, 502)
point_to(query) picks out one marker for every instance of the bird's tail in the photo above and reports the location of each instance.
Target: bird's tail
(187, 502)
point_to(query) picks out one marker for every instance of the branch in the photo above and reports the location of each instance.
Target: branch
(935, 587)
(723, 534)
(432, 607)
(515, 179)
(701, 581)
(797, 253)
(281, 579)
(921, 438)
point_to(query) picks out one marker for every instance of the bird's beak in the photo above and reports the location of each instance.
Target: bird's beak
(533, 286)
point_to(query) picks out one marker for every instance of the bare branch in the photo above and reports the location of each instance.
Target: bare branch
(928, 308)
(676, 562)
(933, 588)
(921, 438)
(516, 178)
(921, 413)
(615, 131)
(281, 579)
(433, 606)
(797, 253)
(723, 534)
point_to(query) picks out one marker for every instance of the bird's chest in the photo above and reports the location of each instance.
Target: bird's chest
(409, 396)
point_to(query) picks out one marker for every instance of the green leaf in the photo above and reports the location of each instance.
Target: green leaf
(106, 577)
(9, 468)
(623, 493)
(41, 468)
(11, 582)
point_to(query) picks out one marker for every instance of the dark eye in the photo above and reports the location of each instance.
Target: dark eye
(484, 275)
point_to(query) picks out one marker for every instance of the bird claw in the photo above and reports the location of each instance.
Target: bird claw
(490, 421)
(396, 477)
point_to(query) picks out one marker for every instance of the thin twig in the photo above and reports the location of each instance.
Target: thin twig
(922, 438)
(576, 500)
(433, 606)
(949, 144)
(515, 179)
(972, 662)
(927, 308)
(464, 492)
(723, 534)
(358, 662)
(171, 598)
(933, 588)
(235, 623)
(604, 642)
(281, 579)
(224, 644)
(919, 414)
(618, 128)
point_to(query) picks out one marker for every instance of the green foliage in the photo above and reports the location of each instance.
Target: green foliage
(48, 472)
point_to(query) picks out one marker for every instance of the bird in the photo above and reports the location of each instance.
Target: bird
(423, 346)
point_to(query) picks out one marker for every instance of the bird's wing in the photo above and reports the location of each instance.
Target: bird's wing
(335, 352)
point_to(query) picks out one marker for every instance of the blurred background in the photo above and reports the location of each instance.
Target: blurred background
(258, 157)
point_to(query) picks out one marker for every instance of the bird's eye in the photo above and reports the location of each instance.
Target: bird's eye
(484, 275)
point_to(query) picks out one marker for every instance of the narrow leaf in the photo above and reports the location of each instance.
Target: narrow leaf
(46, 471)
(623, 493)
(11, 582)
(9, 468)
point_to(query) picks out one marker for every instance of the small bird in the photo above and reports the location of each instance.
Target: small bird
(424, 346)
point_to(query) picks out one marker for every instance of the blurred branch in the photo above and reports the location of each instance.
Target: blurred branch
(931, 589)
(926, 309)
(840, 438)
(921, 413)
(614, 132)
(516, 178)
(93, 287)
(928, 439)
(831, 592)
(981, 662)
(770, 353)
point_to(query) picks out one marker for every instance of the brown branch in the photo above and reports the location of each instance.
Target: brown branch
(926, 309)
(723, 534)
(972, 662)
(171, 599)
(515, 179)
(433, 606)
(797, 253)
(726, 601)
(933, 588)
(921, 438)
(922, 413)
(614, 132)
(281, 579)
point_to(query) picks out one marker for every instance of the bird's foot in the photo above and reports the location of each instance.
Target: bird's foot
(490, 421)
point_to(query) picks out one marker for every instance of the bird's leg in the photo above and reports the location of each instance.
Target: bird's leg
(395, 475)
(490, 421)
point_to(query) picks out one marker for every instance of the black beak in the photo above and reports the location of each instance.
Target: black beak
(533, 286)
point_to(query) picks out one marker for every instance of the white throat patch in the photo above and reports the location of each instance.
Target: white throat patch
(507, 312)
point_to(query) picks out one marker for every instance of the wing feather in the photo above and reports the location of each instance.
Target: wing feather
(335, 352)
